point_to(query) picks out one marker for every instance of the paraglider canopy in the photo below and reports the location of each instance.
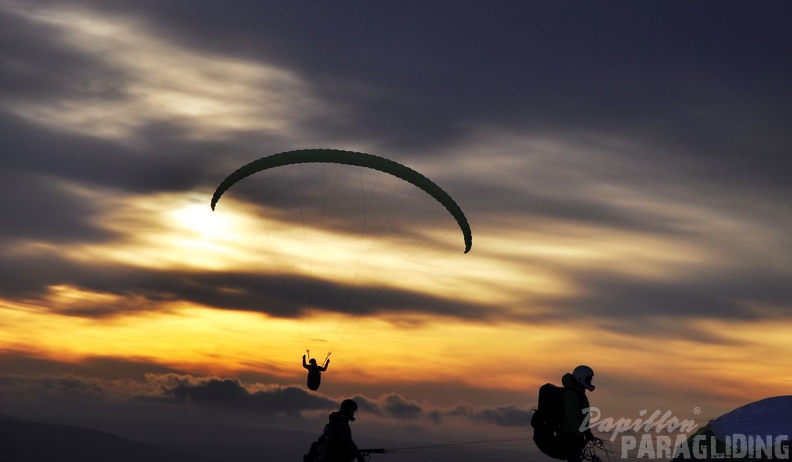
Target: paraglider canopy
(336, 156)
(769, 417)
(758, 430)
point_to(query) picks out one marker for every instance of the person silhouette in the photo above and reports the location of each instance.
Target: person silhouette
(572, 432)
(315, 372)
(336, 440)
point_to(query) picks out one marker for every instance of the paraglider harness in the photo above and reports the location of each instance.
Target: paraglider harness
(315, 450)
(364, 455)
(318, 446)
(547, 419)
(546, 422)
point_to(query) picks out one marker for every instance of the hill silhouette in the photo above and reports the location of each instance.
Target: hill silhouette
(23, 441)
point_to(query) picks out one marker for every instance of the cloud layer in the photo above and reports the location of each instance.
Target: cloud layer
(624, 170)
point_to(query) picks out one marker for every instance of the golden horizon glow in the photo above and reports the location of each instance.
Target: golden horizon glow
(179, 231)
(197, 338)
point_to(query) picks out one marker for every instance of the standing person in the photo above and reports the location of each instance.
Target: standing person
(571, 432)
(336, 444)
(315, 372)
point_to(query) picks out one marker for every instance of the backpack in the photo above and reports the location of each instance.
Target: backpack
(547, 418)
(315, 450)
(549, 414)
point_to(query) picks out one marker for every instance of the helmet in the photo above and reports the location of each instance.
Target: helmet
(583, 375)
(349, 407)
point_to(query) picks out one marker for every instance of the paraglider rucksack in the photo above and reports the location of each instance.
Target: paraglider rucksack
(315, 451)
(549, 414)
(546, 420)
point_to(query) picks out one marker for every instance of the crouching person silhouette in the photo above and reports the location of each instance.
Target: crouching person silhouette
(336, 444)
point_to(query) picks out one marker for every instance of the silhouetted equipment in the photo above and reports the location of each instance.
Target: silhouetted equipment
(547, 419)
(365, 454)
(760, 430)
(316, 449)
(559, 422)
(359, 159)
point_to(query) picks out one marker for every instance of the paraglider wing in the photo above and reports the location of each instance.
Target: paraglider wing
(359, 159)
(769, 417)
(766, 422)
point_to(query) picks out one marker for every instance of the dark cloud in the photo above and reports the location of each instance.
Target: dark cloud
(668, 309)
(509, 416)
(169, 164)
(164, 390)
(612, 298)
(272, 295)
(38, 208)
(40, 65)
(17, 363)
(729, 297)
(503, 416)
(399, 68)
(667, 81)
(30, 277)
(391, 405)
(282, 296)
(232, 394)
(692, 79)
(397, 406)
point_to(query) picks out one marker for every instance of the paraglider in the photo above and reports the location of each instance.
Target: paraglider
(318, 256)
(359, 159)
(315, 372)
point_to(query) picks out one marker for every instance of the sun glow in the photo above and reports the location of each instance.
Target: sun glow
(181, 232)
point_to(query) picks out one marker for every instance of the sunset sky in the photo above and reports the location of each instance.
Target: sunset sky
(624, 167)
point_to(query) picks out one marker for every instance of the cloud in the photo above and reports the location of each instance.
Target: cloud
(44, 210)
(126, 291)
(391, 405)
(230, 394)
(293, 401)
(155, 80)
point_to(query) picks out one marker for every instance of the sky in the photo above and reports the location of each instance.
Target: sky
(624, 168)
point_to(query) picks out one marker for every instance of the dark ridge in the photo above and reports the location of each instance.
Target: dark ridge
(22, 441)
